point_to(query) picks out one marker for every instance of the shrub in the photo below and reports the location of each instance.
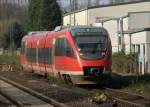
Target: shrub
(125, 63)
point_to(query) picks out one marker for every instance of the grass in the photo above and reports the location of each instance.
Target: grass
(124, 63)
(139, 88)
(135, 83)
(11, 60)
(5, 59)
(139, 84)
(61, 82)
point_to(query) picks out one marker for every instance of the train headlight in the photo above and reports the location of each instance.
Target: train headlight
(103, 53)
(81, 54)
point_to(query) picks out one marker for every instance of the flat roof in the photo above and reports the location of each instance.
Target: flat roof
(132, 31)
(101, 6)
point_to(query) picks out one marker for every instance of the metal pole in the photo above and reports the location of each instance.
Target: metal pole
(102, 24)
(74, 12)
(87, 15)
(70, 12)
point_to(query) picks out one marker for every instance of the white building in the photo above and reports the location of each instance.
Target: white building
(128, 25)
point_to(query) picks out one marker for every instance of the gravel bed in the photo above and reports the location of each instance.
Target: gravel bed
(60, 94)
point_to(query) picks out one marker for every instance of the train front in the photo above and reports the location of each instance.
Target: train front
(93, 53)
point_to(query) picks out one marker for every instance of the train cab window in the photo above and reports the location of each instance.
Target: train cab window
(91, 47)
(90, 42)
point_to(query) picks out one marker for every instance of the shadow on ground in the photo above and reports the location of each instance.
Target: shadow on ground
(120, 81)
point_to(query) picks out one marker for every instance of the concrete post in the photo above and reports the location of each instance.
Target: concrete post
(118, 33)
(130, 43)
(122, 35)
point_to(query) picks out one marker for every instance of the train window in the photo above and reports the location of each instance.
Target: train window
(34, 55)
(45, 55)
(68, 49)
(40, 56)
(56, 48)
(48, 55)
(63, 48)
(28, 54)
(59, 47)
(49, 59)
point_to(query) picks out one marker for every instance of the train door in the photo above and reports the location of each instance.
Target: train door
(53, 57)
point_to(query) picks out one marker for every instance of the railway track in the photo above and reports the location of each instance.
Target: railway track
(20, 96)
(125, 99)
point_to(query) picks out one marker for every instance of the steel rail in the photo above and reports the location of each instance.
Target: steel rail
(31, 92)
(125, 102)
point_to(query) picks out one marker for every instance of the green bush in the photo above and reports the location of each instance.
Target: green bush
(125, 63)
(12, 60)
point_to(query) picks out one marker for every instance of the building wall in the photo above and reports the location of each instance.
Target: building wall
(140, 43)
(136, 39)
(125, 24)
(116, 11)
(87, 17)
(139, 20)
(139, 38)
(80, 18)
(113, 33)
(66, 20)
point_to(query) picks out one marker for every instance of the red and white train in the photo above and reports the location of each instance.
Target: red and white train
(78, 54)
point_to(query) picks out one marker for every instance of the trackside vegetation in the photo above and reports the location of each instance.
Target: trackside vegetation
(7, 59)
(129, 77)
(125, 63)
(135, 83)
